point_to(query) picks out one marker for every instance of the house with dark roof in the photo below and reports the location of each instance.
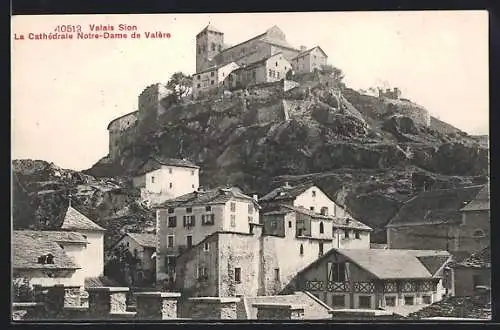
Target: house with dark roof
(374, 278)
(309, 60)
(455, 220)
(162, 178)
(143, 246)
(186, 220)
(472, 274)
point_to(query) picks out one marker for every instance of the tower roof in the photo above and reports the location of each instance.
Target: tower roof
(74, 220)
(211, 28)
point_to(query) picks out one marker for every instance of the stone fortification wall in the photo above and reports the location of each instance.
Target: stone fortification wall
(418, 114)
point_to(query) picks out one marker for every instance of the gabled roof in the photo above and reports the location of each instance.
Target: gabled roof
(145, 240)
(338, 222)
(74, 220)
(479, 259)
(208, 197)
(155, 162)
(286, 192)
(27, 248)
(388, 264)
(256, 63)
(304, 53)
(480, 202)
(434, 207)
(57, 236)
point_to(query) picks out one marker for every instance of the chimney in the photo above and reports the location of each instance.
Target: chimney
(255, 197)
(303, 48)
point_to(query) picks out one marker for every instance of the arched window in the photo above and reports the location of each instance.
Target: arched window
(321, 228)
(301, 249)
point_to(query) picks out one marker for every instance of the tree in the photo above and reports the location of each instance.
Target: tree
(121, 263)
(337, 74)
(180, 85)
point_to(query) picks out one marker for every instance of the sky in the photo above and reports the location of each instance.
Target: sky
(65, 92)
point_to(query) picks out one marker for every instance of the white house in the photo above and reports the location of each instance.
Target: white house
(160, 179)
(211, 79)
(68, 256)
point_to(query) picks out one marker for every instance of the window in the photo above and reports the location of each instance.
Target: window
(172, 222)
(478, 233)
(254, 74)
(169, 171)
(189, 241)
(192, 186)
(170, 241)
(202, 273)
(270, 73)
(324, 210)
(192, 172)
(301, 249)
(390, 301)
(233, 220)
(321, 228)
(320, 249)
(237, 275)
(208, 219)
(233, 206)
(278, 75)
(220, 48)
(276, 63)
(199, 85)
(346, 233)
(250, 208)
(206, 246)
(208, 208)
(170, 185)
(211, 82)
(273, 224)
(171, 210)
(152, 179)
(338, 300)
(213, 46)
(427, 300)
(314, 193)
(250, 219)
(276, 274)
(409, 300)
(356, 235)
(198, 79)
(365, 302)
(289, 224)
(189, 220)
(189, 209)
(336, 272)
(312, 208)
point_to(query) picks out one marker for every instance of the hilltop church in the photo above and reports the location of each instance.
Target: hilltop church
(267, 57)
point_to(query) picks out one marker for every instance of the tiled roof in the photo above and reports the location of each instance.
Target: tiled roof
(74, 220)
(57, 236)
(387, 263)
(27, 248)
(480, 202)
(437, 206)
(154, 163)
(462, 307)
(479, 259)
(338, 222)
(313, 309)
(433, 263)
(145, 240)
(213, 196)
(286, 192)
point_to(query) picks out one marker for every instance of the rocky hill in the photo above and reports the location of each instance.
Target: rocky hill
(369, 154)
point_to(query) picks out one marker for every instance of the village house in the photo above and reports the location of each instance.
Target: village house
(472, 274)
(68, 256)
(456, 220)
(143, 247)
(211, 79)
(309, 60)
(271, 69)
(375, 278)
(160, 179)
(185, 221)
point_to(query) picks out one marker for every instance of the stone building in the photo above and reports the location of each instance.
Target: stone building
(270, 69)
(472, 273)
(160, 179)
(67, 256)
(394, 94)
(121, 132)
(309, 60)
(185, 221)
(375, 278)
(211, 79)
(143, 246)
(455, 220)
